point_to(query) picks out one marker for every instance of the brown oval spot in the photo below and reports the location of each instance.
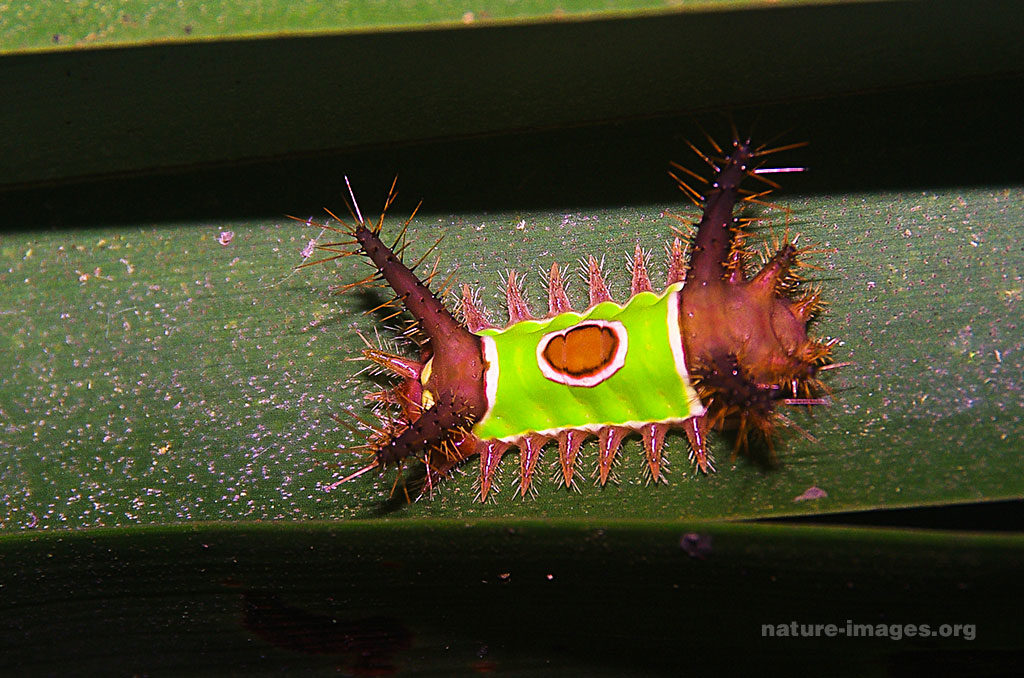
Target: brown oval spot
(582, 351)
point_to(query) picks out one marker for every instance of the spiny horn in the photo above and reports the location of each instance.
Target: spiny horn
(714, 234)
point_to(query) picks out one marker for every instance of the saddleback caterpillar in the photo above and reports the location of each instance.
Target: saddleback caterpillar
(720, 346)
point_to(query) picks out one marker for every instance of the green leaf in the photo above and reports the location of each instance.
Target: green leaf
(517, 597)
(166, 373)
(158, 373)
(63, 26)
(179, 87)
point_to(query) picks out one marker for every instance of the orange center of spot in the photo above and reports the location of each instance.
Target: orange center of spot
(582, 351)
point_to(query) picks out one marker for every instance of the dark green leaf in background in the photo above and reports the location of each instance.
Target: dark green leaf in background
(164, 366)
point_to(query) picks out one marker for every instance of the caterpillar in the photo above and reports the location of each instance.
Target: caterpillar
(717, 347)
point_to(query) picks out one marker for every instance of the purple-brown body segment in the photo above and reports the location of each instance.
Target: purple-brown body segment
(456, 379)
(746, 341)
